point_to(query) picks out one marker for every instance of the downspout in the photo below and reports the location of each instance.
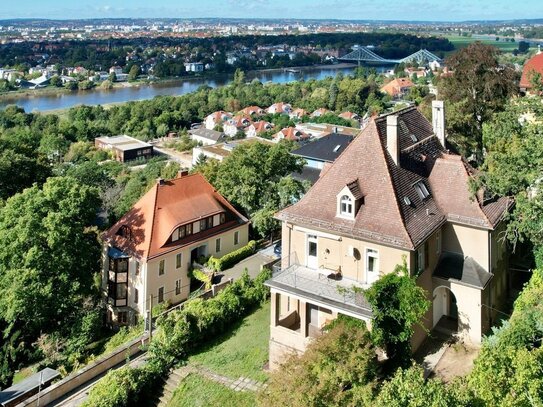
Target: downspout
(491, 281)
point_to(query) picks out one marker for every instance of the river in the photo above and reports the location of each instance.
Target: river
(45, 102)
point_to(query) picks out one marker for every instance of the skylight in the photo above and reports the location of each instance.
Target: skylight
(336, 148)
(421, 189)
(414, 138)
(406, 200)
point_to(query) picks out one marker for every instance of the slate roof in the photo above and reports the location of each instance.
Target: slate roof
(393, 211)
(163, 208)
(324, 149)
(464, 270)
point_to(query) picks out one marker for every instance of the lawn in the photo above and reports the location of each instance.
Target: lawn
(462, 42)
(196, 391)
(242, 350)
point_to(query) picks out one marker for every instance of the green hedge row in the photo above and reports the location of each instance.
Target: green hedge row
(179, 334)
(228, 260)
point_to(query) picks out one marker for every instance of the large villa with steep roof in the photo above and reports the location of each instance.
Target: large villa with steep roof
(149, 251)
(394, 193)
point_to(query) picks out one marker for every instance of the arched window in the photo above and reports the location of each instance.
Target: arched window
(346, 205)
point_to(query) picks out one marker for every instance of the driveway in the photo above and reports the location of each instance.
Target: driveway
(252, 264)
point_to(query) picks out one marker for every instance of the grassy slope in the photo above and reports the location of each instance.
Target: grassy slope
(242, 350)
(197, 391)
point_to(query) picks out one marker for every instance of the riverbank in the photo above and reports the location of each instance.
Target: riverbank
(52, 91)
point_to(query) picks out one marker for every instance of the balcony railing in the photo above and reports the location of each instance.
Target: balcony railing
(317, 283)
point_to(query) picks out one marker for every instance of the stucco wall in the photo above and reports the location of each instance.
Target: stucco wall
(468, 241)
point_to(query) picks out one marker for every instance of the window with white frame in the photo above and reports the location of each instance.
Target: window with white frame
(161, 295)
(161, 267)
(177, 287)
(419, 266)
(346, 205)
(218, 245)
(372, 261)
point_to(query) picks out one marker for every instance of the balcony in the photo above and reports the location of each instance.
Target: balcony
(343, 294)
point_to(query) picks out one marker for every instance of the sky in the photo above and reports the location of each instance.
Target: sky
(422, 10)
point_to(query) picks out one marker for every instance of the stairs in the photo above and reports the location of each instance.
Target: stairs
(164, 394)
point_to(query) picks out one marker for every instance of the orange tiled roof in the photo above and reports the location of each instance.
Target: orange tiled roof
(533, 65)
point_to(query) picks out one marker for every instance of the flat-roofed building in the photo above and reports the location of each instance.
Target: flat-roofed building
(125, 148)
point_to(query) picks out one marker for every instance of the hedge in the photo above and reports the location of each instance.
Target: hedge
(179, 334)
(228, 260)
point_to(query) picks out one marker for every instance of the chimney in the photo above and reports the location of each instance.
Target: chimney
(160, 181)
(438, 120)
(393, 144)
(182, 173)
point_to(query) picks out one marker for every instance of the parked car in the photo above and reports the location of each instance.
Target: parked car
(277, 248)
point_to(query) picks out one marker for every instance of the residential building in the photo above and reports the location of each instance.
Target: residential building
(279, 107)
(236, 124)
(320, 112)
(220, 151)
(253, 111)
(125, 148)
(320, 152)
(194, 67)
(149, 251)
(117, 70)
(298, 113)
(349, 116)
(258, 128)
(290, 133)
(398, 87)
(317, 130)
(532, 68)
(395, 193)
(216, 119)
(206, 136)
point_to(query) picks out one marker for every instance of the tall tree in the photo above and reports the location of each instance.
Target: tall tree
(478, 87)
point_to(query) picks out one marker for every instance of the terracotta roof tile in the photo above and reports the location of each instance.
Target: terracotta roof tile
(533, 65)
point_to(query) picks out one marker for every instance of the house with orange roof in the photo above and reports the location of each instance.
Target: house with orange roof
(298, 113)
(398, 87)
(257, 128)
(237, 123)
(279, 107)
(532, 68)
(395, 193)
(252, 111)
(349, 116)
(216, 119)
(290, 133)
(320, 112)
(148, 252)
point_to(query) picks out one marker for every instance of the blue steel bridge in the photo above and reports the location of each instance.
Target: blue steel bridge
(366, 55)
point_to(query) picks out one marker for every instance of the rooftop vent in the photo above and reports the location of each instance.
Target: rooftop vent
(407, 201)
(414, 138)
(421, 189)
(336, 148)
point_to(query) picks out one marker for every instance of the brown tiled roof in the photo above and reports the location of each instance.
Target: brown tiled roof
(162, 209)
(291, 133)
(533, 65)
(393, 212)
(250, 110)
(395, 86)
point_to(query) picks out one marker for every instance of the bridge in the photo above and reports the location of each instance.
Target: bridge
(365, 54)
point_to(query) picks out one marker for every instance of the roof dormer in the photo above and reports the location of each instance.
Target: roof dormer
(349, 200)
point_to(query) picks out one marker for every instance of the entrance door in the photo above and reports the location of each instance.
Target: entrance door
(312, 261)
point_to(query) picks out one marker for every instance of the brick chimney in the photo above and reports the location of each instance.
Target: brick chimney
(438, 120)
(160, 181)
(393, 143)
(182, 173)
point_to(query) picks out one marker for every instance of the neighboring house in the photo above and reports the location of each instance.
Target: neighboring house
(252, 111)
(398, 87)
(395, 193)
(420, 72)
(298, 113)
(206, 136)
(320, 112)
(349, 116)
(280, 107)
(319, 152)
(290, 133)
(257, 128)
(117, 70)
(194, 67)
(317, 130)
(216, 119)
(237, 123)
(149, 251)
(125, 148)
(220, 151)
(533, 66)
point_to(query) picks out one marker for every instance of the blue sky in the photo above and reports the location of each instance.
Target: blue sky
(433, 10)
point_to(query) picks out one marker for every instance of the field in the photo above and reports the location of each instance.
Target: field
(462, 42)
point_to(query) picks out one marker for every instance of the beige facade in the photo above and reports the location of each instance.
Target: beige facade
(363, 262)
(166, 277)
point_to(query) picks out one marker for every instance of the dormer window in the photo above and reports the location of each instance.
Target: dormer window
(125, 232)
(421, 189)
(346, 206)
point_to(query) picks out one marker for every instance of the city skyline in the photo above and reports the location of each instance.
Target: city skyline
(461, 10)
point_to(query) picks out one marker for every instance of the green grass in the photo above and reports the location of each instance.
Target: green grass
(462, 42)
(197, 391)
(242, 350)
(23, 374)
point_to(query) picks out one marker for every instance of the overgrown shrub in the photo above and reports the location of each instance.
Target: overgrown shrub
(228, 260)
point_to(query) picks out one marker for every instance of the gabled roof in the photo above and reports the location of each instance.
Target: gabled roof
(262, 126)
(163, 208)
(290, 133)
(349, 116)
(533, 65)
(327, 148)
(394, 211)
(249, 110)
(220, 116)
(206, 133)
(395, 86)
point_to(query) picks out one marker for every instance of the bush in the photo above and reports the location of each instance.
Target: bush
(228, 260)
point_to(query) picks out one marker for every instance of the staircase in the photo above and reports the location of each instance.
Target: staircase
(164, 394)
